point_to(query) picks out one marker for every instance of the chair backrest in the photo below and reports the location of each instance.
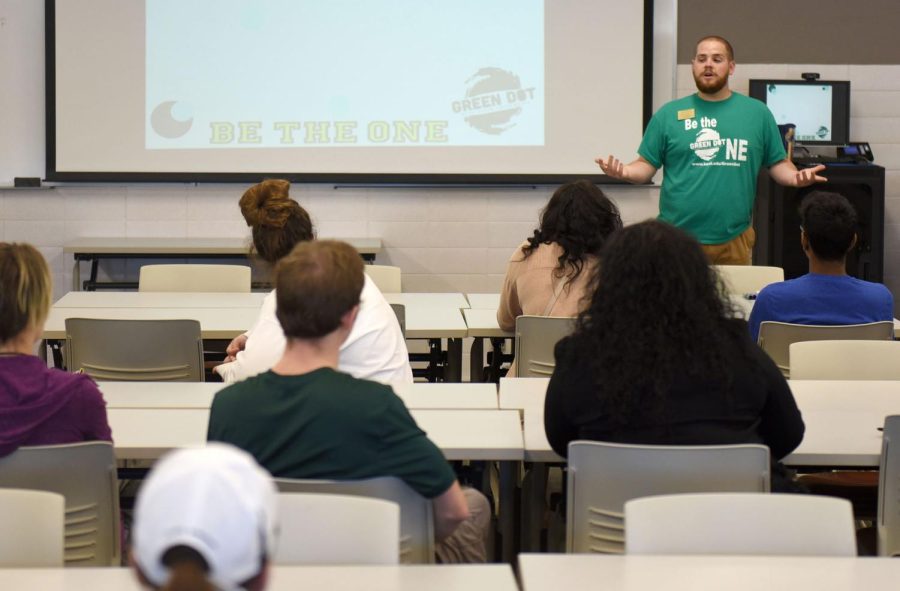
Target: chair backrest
(744, 279)
(207, 278)
(416, 519)
(845, 360)
(321, 528)
(31, 535)
(400, 313)
(603, 476)
(888, 526)
(740, 523)
(775, 338)
(536, 336)
(386, 277)
(135, 350)
(85, 474)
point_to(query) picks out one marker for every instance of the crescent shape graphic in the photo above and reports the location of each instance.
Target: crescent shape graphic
(165, 125)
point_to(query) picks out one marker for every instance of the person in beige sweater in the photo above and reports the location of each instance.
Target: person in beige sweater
(550, 273)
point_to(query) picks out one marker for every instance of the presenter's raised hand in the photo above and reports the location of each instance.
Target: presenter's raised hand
(805, 177)
(612, 167)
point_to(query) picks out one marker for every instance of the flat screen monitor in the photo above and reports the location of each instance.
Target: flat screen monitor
(820, 109)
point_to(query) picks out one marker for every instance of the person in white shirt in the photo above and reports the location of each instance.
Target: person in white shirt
(375, 349)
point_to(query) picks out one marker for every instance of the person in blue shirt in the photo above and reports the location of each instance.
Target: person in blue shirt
(826, 295)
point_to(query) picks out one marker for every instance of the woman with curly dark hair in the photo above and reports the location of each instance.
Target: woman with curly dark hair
(659, 358)
(548, 273)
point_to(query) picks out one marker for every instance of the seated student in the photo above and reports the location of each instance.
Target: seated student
(205, 518)
(826, 295)
(38, 405)
(305, 419)
(375, 349)
(658, 358)
(548, 274)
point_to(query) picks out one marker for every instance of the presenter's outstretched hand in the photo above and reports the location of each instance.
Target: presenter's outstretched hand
(809, 176)
(612, 167)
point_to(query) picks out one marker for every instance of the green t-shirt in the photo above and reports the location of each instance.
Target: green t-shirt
(329, 425)
(711, 153)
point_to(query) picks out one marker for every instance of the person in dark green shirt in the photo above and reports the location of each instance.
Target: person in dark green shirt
(304, 419)
(711, 146)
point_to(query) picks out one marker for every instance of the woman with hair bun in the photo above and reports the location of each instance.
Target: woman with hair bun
(375, 349)
(38, 405)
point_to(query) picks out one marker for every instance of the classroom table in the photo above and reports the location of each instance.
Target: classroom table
(408, 577)
(587, 572)
(487, 301)
(842, 419)
(199, 395)
(96, 249)
(160, 299)
(482, 324)
(485, 435)
(429, 316)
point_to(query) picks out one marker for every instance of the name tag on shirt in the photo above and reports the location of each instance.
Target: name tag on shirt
(685, 114)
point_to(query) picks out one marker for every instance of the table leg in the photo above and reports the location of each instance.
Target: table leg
(508, 517)
(476, 360)
(534, 494)
(91, 284)
(453, 369)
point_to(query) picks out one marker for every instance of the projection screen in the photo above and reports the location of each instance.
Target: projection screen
(316, 90)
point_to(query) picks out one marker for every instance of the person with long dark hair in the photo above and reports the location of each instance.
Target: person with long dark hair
(658, 357)
(548, 273)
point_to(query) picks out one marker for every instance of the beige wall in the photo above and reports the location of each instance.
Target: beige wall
(794, 32)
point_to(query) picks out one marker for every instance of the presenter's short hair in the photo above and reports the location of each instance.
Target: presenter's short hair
(315, 286)
(830, 223)
(728, 48)
(26, 290)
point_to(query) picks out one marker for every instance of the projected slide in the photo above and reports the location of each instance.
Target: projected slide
(807, 107)
(338, 73)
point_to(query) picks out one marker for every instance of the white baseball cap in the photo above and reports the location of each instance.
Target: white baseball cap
(216, 500)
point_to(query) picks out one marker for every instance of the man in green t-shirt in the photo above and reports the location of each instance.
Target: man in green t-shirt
(711, 146)
(304, 419)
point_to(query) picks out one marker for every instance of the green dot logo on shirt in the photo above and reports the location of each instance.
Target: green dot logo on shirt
(707, 144)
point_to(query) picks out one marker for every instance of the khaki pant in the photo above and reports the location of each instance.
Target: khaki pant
(467, 542)
(734, 252)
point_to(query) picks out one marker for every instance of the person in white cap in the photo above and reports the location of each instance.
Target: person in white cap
(205, 519)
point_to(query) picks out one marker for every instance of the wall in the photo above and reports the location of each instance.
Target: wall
(445, 239)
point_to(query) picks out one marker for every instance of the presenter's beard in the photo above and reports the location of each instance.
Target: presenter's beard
(710, 85)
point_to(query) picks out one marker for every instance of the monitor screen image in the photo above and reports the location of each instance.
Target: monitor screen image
(819, 110)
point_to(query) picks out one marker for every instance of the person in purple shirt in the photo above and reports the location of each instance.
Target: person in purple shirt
(38, 405)
(826, 295)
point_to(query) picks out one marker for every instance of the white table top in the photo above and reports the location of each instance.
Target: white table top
(585, 572)
(215, 323)
(487, 301)
(199, 395)
(454, 301)
(136, 299)
(842, 419)
(237, 246)
(147, 433)
(484, 577)
(482, 322)
(428, 315)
